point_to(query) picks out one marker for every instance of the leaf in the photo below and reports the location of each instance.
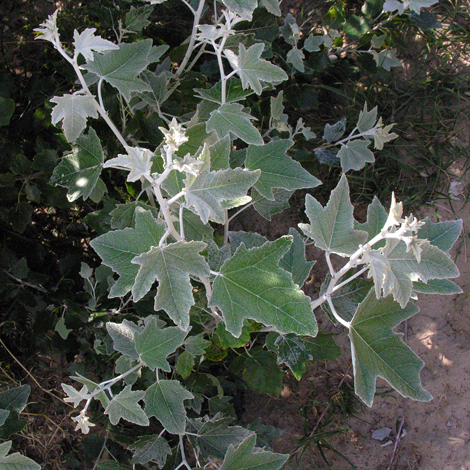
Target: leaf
(120, 68)
(123, 335)
(138, 18)
(387, 59)
(295, 57)
(278, 170)
(220, 154)
(328, 156)
(437, 286)
(443, 235)
(230, 118)
(243, 8)
(434, 264)
(295, 351)
(125, 405)
(216, 436)
(233, 89)
(253, 70)
(251, 285)
(206, 191)
(425, 21)
(13, 401)
(332, 133)
(346, 299)
(273, 6)
(124, 215)
(332, 227)
(294, 260)
(80, 170)
(92, 386)
(185, 364)
(7, 108)
(262, 373)
(247, 457)
(376, 218)
(155, 344)
(62, 329)
(15, 461)
(194, 228)
(165, 400)
(86, 42)
(268, 208)
(171, 266)
(73, 110)
(379, 352)
(367, 119)
(118, 248)
(355, 154)
(249, 239)
(153, 449)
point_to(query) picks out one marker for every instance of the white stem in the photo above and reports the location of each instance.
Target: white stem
(197, 17)
(335, 313)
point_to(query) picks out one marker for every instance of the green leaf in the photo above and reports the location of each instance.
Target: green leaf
(233, 89)
(434, 264)
(290, 351)
(117, 249)
(125, 405)
(294, 260)
(15, 461)
(230, 118)
(123, 335)
(252, 70)
(295, 351)
(120, 67)
(367, 119)
(425, 21)
(62, 329)
(376, 218)
(92, 386)
(247, 457)
(165, 400)
(443, 235)
(216, 436)
(194, 228)
(267, 208)
(249, 239)
(332, 133)
(153, 449)
(387, 59)
(171, 265)
(278, 170)
(272, 6)
(243, 8)
(251, 285)
(262, 373)
(155, 344)
(206, 191)
(138, 18)
(356, 26)
(437, 286)
(13, 401)
(332, 227)
(355, 154)
(124, 214)
(185, 364)
(7, 108)
(379, 352)
(80, 170)
(296, 57)
(346, 299)
(220, 154)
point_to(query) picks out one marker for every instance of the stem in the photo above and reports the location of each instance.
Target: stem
(335, 313)
(100, 110)
(197, 17)
(226, 226)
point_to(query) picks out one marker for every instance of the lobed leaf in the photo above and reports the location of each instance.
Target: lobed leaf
(252, 285)
(379, 352)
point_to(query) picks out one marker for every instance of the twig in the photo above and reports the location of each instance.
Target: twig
(32, 377)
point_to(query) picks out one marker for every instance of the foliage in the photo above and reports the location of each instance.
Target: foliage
(183, 140)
